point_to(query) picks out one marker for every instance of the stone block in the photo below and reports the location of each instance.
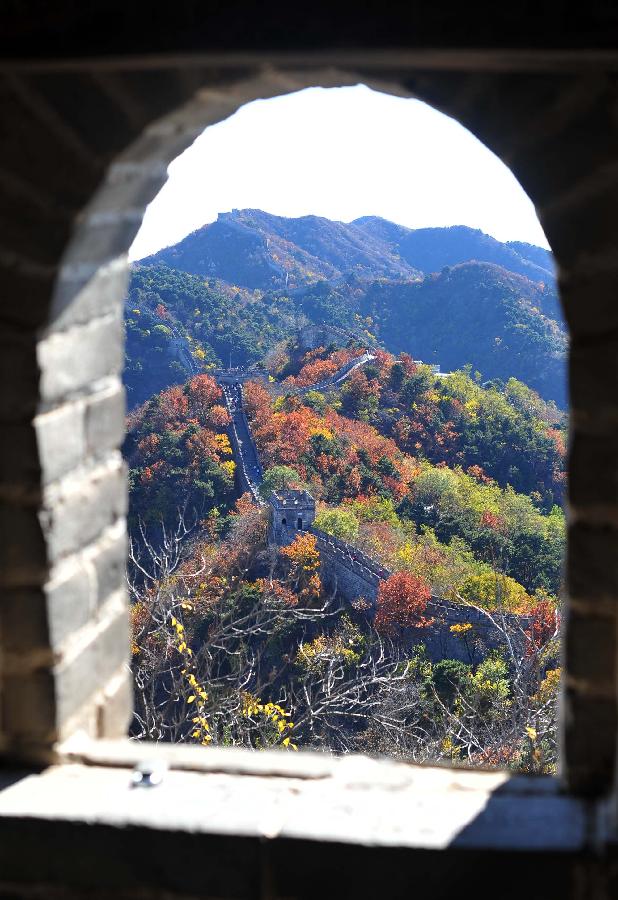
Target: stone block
(23, 551)
(61, 440)
(46, 705)
(75, 514)
(79, 678)
(35, 620)
(592, 563)
(149, 156)
(84, 292)
(590, 455)
(19, 375)
(29, 707)
(124, 193)
(105, 419)
(72, 360)
(593, 374)
(589, 649)
(99, 242)
(71, 601)
(23, 621)
(109, 557)
(588, 745)
(116, 707)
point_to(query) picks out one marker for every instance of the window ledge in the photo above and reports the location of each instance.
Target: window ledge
(241, 806)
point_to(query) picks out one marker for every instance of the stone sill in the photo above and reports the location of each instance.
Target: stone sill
(229, 816)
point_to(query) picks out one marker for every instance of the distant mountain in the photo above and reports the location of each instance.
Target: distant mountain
(452, 296)
(430, 249)
(254, 249)
(479, 314)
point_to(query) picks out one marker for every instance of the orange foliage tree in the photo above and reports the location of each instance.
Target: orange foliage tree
(544, 625)
(303, 558)
(402, 602)
(203, 393)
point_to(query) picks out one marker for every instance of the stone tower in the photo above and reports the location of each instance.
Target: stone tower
(291, 511)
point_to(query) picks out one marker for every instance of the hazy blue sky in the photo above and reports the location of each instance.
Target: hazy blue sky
(340, 153)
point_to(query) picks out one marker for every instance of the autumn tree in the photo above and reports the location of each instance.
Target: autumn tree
(278, 478)
(303, 559)
(341, 523)
(402, 601)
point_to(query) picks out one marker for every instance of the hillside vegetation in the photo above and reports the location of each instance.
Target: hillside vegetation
(452, 481)
(241, 285)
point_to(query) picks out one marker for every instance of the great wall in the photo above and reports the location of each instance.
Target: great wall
(345, 568)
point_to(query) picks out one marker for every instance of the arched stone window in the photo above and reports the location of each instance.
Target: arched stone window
(299, 523)
(86, 148)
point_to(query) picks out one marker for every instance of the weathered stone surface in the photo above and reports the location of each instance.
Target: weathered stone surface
(108, 556)
(105, 423)
(260, 833)
(592, 562)
(116, 707)
(79, 510)
(85, 291)
(583, 632)
(81, 676)
(589, 455)
(61, 440)
(72, 360)
(593, 374)
(589, 747)
(37, 706)
(100, 242)
(45, 618)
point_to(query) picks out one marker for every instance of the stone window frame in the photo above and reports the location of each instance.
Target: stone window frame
(64, 645)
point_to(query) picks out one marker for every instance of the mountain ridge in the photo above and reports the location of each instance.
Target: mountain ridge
(238, 286)
(278, 251)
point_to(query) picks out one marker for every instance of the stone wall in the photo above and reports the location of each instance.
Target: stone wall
(355, 575)
(85, 147)
(97, 99)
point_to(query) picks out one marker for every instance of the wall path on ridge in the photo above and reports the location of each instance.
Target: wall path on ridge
(354, 574)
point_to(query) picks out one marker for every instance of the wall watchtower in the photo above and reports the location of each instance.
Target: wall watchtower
(290, 511)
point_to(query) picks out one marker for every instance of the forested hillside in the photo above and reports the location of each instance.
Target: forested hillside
(258, 250)
(307, 669)
(250, 279)
(447, 484)
(445, 457)
(430, 249)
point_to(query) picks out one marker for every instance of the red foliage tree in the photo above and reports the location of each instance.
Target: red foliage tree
(203, 393)
(492, 521)
(545, 622)
(173, 410)
(402, 602)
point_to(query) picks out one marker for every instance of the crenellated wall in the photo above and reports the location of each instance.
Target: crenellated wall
(355, 575)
